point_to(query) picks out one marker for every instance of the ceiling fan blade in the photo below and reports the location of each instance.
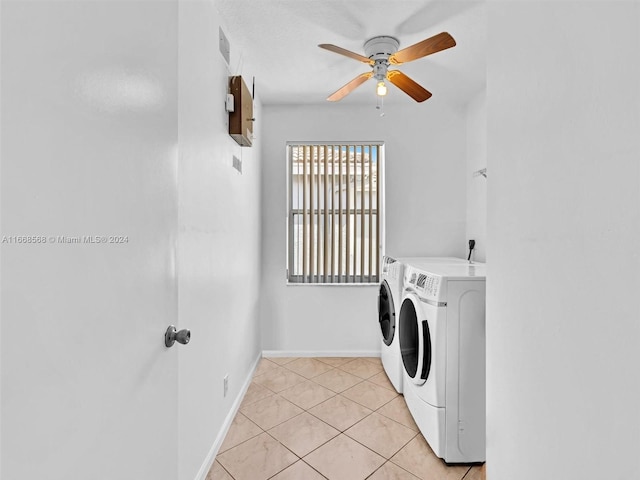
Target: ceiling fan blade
(346, 53)
(434, 44)
(349, 87)
(408, 86)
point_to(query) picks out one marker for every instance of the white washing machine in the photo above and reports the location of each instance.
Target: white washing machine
(442, 345)
(389, 300)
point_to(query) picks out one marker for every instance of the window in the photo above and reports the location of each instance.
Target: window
(335, 221)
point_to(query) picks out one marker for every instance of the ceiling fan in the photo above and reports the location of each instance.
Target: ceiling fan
(381, 52)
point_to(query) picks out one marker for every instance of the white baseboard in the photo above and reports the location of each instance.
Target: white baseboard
(211, 456)
(320, 353)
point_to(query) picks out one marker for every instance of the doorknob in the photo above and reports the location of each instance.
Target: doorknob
(172, 336)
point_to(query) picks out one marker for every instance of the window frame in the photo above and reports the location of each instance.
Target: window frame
(380, 213)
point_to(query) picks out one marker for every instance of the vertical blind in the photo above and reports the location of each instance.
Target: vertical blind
(334, 221)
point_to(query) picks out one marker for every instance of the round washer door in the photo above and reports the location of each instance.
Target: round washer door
(386, 313)
(415, 341)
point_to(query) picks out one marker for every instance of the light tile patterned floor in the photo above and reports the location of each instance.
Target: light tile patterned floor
(327, 418)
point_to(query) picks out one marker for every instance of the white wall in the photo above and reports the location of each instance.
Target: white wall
(563, 229)
(425, 213)
(477, 185)
(218, 255)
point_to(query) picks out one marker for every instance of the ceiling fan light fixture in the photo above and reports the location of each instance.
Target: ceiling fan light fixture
(381, 89)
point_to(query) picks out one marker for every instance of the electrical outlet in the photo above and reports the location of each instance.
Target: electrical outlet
(226, 384)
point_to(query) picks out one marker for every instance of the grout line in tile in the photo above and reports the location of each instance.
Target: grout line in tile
(291, 418)
(284, 446)
(297, 456)
(368, 448)
(299, 460)
(397, 395)
(241, 443)
(309, 453)
(307, 378)
(391, 400)
(346, 363)
(395, 465)
(291, 359)
(341, 431)
(321, 445)
(244, 441)
(338, 393)
(400, 395)
(466, 473)
(374, 472)
(315, 416)
(222, 466)
(404, 445)
(378, 453)
(327, 363)
(311, 466)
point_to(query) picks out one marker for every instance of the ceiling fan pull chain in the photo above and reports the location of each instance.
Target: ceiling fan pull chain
(380, 105)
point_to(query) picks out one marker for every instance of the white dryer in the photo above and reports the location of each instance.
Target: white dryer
(442, 344)
(389, 300)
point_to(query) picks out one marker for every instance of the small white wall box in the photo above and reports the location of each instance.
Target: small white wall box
(241, 119)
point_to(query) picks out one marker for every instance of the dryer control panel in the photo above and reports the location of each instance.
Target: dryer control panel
(424, 283)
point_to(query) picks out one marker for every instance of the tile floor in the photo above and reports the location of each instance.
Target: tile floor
(327, 418)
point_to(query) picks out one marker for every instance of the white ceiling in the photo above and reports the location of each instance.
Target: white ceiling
(276, 40)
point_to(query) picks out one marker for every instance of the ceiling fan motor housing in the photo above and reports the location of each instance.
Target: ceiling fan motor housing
(381, 48)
